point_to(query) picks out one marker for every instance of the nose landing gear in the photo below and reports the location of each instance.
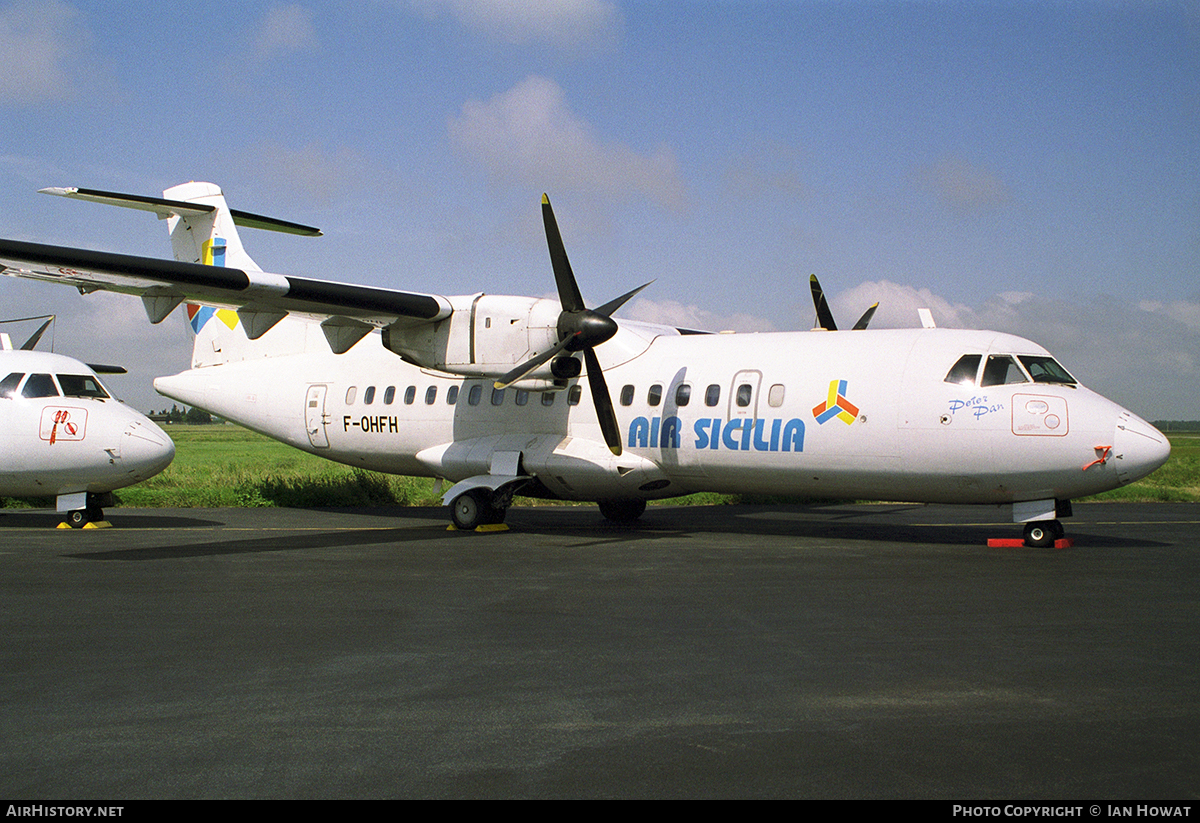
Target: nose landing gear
(1042, 534)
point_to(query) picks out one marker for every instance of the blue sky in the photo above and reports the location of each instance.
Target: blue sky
(1030, 167)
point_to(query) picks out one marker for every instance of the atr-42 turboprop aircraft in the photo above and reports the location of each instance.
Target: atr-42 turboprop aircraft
(488, 390)
(63, 435)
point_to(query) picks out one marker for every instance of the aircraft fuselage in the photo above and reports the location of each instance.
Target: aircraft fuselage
(824, 414)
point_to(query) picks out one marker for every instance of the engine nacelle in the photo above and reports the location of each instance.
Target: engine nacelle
(486, 335)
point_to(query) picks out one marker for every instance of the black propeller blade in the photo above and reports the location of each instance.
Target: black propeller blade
(866, 317)
(825, 316)
(37, 335)
(579, 329)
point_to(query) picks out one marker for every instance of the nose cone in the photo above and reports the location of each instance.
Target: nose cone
(145, 449)
(1138, 448)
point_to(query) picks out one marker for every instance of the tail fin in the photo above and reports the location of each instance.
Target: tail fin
(204, 230)
(206, 235)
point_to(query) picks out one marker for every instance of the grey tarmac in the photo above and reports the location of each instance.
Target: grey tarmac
(824, 651)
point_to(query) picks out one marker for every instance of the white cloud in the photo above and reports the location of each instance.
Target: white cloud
(40, 48)
(561, 23)
(897, 306)
(286, 29)
(962, 185)
(530, 136)
(313, 171)
(674, 313)
(1182, 311)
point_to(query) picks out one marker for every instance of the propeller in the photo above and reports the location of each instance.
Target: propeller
(37, 335)
(579, 329)
(825, 316)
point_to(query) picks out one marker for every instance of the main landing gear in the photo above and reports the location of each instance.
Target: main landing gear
(479, 507)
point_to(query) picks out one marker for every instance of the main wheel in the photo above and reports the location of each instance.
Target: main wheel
(622, 511)
(473, 508)
(1041, 534)
(77, 518)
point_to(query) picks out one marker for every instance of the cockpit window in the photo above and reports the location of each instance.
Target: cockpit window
(81, 385)
(40, 385)
(1045, 369)
(1001, 370)
(963, 372)
(8, 386)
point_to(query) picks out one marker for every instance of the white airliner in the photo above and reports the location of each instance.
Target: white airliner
(64, 435)
(488, 390)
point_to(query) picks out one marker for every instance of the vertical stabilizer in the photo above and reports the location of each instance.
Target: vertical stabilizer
(210, 237)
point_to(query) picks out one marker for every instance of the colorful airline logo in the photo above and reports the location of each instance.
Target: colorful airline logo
(836, 405)
(199, 315)
(214, 252)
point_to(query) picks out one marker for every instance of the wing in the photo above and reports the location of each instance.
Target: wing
(260, 298)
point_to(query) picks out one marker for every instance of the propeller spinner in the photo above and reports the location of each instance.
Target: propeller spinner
(579, 329)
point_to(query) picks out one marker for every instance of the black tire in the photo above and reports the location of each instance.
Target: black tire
(77, 518)
(473, 508)
(622, 511)
(1041, 534)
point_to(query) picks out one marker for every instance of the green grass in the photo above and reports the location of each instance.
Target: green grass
(224, 465)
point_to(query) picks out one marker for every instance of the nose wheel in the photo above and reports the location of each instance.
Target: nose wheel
(1041, 534)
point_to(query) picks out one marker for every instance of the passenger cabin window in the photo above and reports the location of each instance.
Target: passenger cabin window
(744, 393)
(452, 395)
(497, 397)
(654, 396)
(963, 372)
(8, 386)
(712, 395)
(521, 398)
(475, 395)
(410, 394)
(775, 396)
(627, 395)
(431, 395)
(350, 392)
(389, 394)
(1041, 368)
(81, 385)
(575, 392)
(1001, 370)
(369, 396)
(683, 394)
(547, 398)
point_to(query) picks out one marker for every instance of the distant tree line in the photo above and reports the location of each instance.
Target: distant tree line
(177, 415)
(1177, 425)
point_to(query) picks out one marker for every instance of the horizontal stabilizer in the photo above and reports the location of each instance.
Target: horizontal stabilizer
(165, 208)
(172, 282)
